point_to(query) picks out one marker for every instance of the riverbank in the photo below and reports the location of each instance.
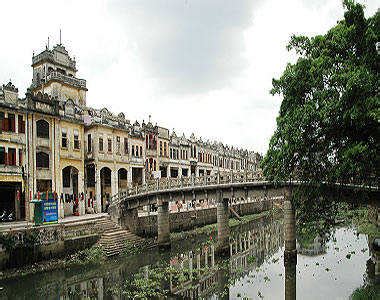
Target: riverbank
(95, 256)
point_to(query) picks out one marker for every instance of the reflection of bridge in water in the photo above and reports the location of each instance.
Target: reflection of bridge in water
(260, 239)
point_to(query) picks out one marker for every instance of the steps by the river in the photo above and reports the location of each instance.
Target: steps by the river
(114, 239)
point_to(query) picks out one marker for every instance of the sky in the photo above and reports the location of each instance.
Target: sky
(196, 66)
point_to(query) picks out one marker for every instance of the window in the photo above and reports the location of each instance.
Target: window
(20, 157)
(42, 160)
(101, 144)
(42, 129)
(118, 144)
(165, 152)
(76, 139)
(133, 150)
(2, 156)
(64, 138)
(109, 145)
(160, 148)
(66, 177)
(140, 150)
(137, 151)
(11, 123)
(11, 156)
(126, 146)
(89, 143)
(1, 121)
(21, 124)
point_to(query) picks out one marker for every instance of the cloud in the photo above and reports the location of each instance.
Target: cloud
(202, 66)
(191, 46)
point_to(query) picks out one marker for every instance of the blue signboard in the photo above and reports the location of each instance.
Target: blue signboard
(50, 211)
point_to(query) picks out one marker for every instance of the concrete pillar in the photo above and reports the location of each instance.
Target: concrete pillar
(198, 263)
(289, 223)
(98, 191)
(290, 279)
(82, 209)
(222, 215)
(212, 256)
(114, 182)
(191, 264)
(163, 229)
(206, 258)
(143, 176)
(129, 177)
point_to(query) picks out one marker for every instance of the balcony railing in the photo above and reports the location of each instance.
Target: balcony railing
(66, 79)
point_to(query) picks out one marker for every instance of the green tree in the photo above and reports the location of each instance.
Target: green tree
(328, 124)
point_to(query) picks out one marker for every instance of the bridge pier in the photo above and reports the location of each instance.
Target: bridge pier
(222, 215)
(290, 252)
(163, 227)
(290, 279)
(290, 224)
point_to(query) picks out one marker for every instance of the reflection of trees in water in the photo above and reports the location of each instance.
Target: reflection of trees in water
(319, 208)
(317, 246)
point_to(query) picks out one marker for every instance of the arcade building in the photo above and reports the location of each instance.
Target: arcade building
(52, 141)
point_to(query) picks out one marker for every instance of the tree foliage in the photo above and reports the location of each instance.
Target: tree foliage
(328, 124)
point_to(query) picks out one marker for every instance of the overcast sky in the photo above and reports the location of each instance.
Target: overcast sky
(199, 66)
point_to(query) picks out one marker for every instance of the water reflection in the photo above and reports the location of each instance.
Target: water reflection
(258, 267)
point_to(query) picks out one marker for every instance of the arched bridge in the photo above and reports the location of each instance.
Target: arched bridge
(221, 190)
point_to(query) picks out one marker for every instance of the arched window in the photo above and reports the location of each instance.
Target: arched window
(42, 129)
(42, 160)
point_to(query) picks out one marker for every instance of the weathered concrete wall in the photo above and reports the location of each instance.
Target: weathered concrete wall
(186, 220)
(45, 242)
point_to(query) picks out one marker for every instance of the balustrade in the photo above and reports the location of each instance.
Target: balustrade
(163, 184)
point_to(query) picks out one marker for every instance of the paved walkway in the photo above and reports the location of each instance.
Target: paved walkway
(69, 219)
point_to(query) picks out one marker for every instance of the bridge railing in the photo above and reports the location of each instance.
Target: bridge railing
(162, 184)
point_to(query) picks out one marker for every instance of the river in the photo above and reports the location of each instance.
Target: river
(330, 267)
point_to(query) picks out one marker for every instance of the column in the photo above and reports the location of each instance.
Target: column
(212, 256)
(191, 264)
(289, 223)
(206, 258)
(290, 252)
(98, 191)
(114, 183)
(81, 208)
(290, 279)
(222, 215)
(163, 229)
(129, 176)
(143, 176)
(198, 263)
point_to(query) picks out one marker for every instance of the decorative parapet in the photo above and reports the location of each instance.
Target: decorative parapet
(58, 55)
(79, 83)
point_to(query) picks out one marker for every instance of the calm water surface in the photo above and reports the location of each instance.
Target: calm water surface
(330, 269)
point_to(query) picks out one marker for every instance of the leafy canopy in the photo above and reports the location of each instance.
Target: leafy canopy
(328, 124)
